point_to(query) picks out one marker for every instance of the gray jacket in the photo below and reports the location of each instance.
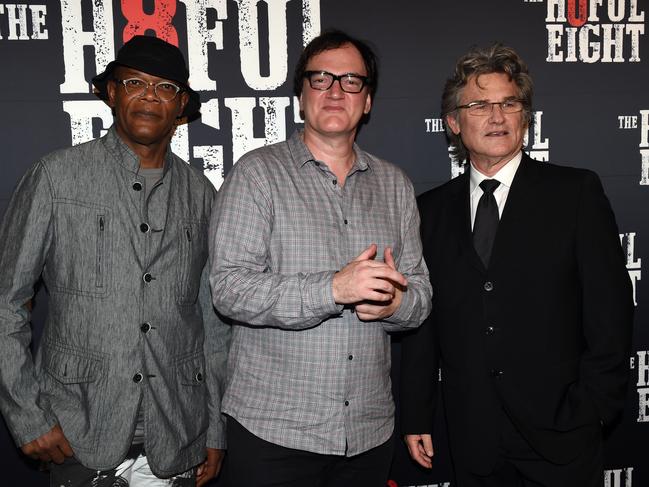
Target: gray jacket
(130, 316)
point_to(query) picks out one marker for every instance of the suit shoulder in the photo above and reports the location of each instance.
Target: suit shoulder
(442, 192)
(565, 173)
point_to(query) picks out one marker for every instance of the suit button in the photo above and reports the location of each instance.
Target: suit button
(137, 378)
(346, 403)
(350, 357)
(490, 330)
(497, 373)
(137, 186)
(145, 327)
(488, 286)
(144, 227)
(147, 277)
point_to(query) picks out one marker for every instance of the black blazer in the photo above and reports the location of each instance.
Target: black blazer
(544, 333)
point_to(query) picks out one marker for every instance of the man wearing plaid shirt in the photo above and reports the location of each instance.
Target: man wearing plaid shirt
(316, 256)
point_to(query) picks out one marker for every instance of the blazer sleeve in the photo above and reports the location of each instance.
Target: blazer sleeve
(418, 379)
(607, 309)
(25, 236)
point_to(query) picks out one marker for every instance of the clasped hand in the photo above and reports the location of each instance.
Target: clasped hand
(374, 288)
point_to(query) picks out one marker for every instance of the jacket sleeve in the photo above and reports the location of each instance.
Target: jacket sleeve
(243, 289)
(607, 302)
(419, 364)
(25, 237)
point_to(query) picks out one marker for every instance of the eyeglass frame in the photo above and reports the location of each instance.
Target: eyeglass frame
(365, 80)
(472, 104)
(179, 89)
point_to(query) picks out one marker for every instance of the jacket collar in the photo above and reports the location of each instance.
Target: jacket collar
(125, 156)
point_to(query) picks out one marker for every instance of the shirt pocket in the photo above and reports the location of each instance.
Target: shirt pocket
(80, 256)
(192, 255)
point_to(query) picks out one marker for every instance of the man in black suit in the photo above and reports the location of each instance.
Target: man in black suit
(532, 304)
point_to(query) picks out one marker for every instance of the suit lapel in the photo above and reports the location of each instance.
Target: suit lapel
(519, 206)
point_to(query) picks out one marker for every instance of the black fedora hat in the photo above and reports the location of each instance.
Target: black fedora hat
(156, 57)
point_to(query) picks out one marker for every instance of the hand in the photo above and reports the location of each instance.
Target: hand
(371, 311)
(52, 446)
(211, 467)
(420, 448)
(365, 279)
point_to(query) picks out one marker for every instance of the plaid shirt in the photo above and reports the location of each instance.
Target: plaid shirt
(303, 371)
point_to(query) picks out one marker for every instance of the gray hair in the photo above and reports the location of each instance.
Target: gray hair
(478, 61)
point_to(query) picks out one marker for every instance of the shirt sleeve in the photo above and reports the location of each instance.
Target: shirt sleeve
(243, 288)
(25, 236)
(416, 300)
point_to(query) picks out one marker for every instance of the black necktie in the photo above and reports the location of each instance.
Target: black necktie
(486, 221)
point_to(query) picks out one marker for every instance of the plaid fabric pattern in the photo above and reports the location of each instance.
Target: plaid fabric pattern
(304, 372)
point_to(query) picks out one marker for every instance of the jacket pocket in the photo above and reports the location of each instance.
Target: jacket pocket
(80, 255)
(192, 253)
(189, 408)
(73, 389)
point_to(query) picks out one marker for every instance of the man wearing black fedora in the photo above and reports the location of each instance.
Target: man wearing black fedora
(125, 386)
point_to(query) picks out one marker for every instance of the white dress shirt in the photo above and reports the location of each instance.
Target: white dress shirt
(505, 176)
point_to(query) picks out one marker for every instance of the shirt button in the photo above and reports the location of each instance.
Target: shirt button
(144, 227)
(137, 378)
(497, 373)
(488, 286)
(346, 403)
(137, 186)
(147, 277)
(345, 220)
(198, 377)
(351, 357)
(490, 330)
(334, 181)
(145, 327)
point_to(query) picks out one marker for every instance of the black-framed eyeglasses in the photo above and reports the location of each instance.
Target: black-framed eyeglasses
(164, 90)
(349, 82)
(485, 108)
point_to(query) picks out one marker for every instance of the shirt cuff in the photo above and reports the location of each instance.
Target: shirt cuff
(320, 295)
(403, 314)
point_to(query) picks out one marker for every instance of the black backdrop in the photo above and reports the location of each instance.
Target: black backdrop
(589, 60)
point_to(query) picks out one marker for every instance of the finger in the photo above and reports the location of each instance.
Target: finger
(387, 273)
(388, 258)
(417, 456)
(200, 471)
(43, 456)
(208, 473)
(427, 444)
(417, 449)
(66, 448)
(367, 254)
(56, 455)
(376, 296)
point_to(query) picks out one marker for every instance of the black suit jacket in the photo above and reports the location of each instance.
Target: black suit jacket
(544, 332)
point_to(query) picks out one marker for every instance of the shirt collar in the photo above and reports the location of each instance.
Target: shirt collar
(125, 156)
(505, 175)
(301, 153)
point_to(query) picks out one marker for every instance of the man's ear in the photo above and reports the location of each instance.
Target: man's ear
(184, 99)
(453, 123)
(111, 90)
(368, 104)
